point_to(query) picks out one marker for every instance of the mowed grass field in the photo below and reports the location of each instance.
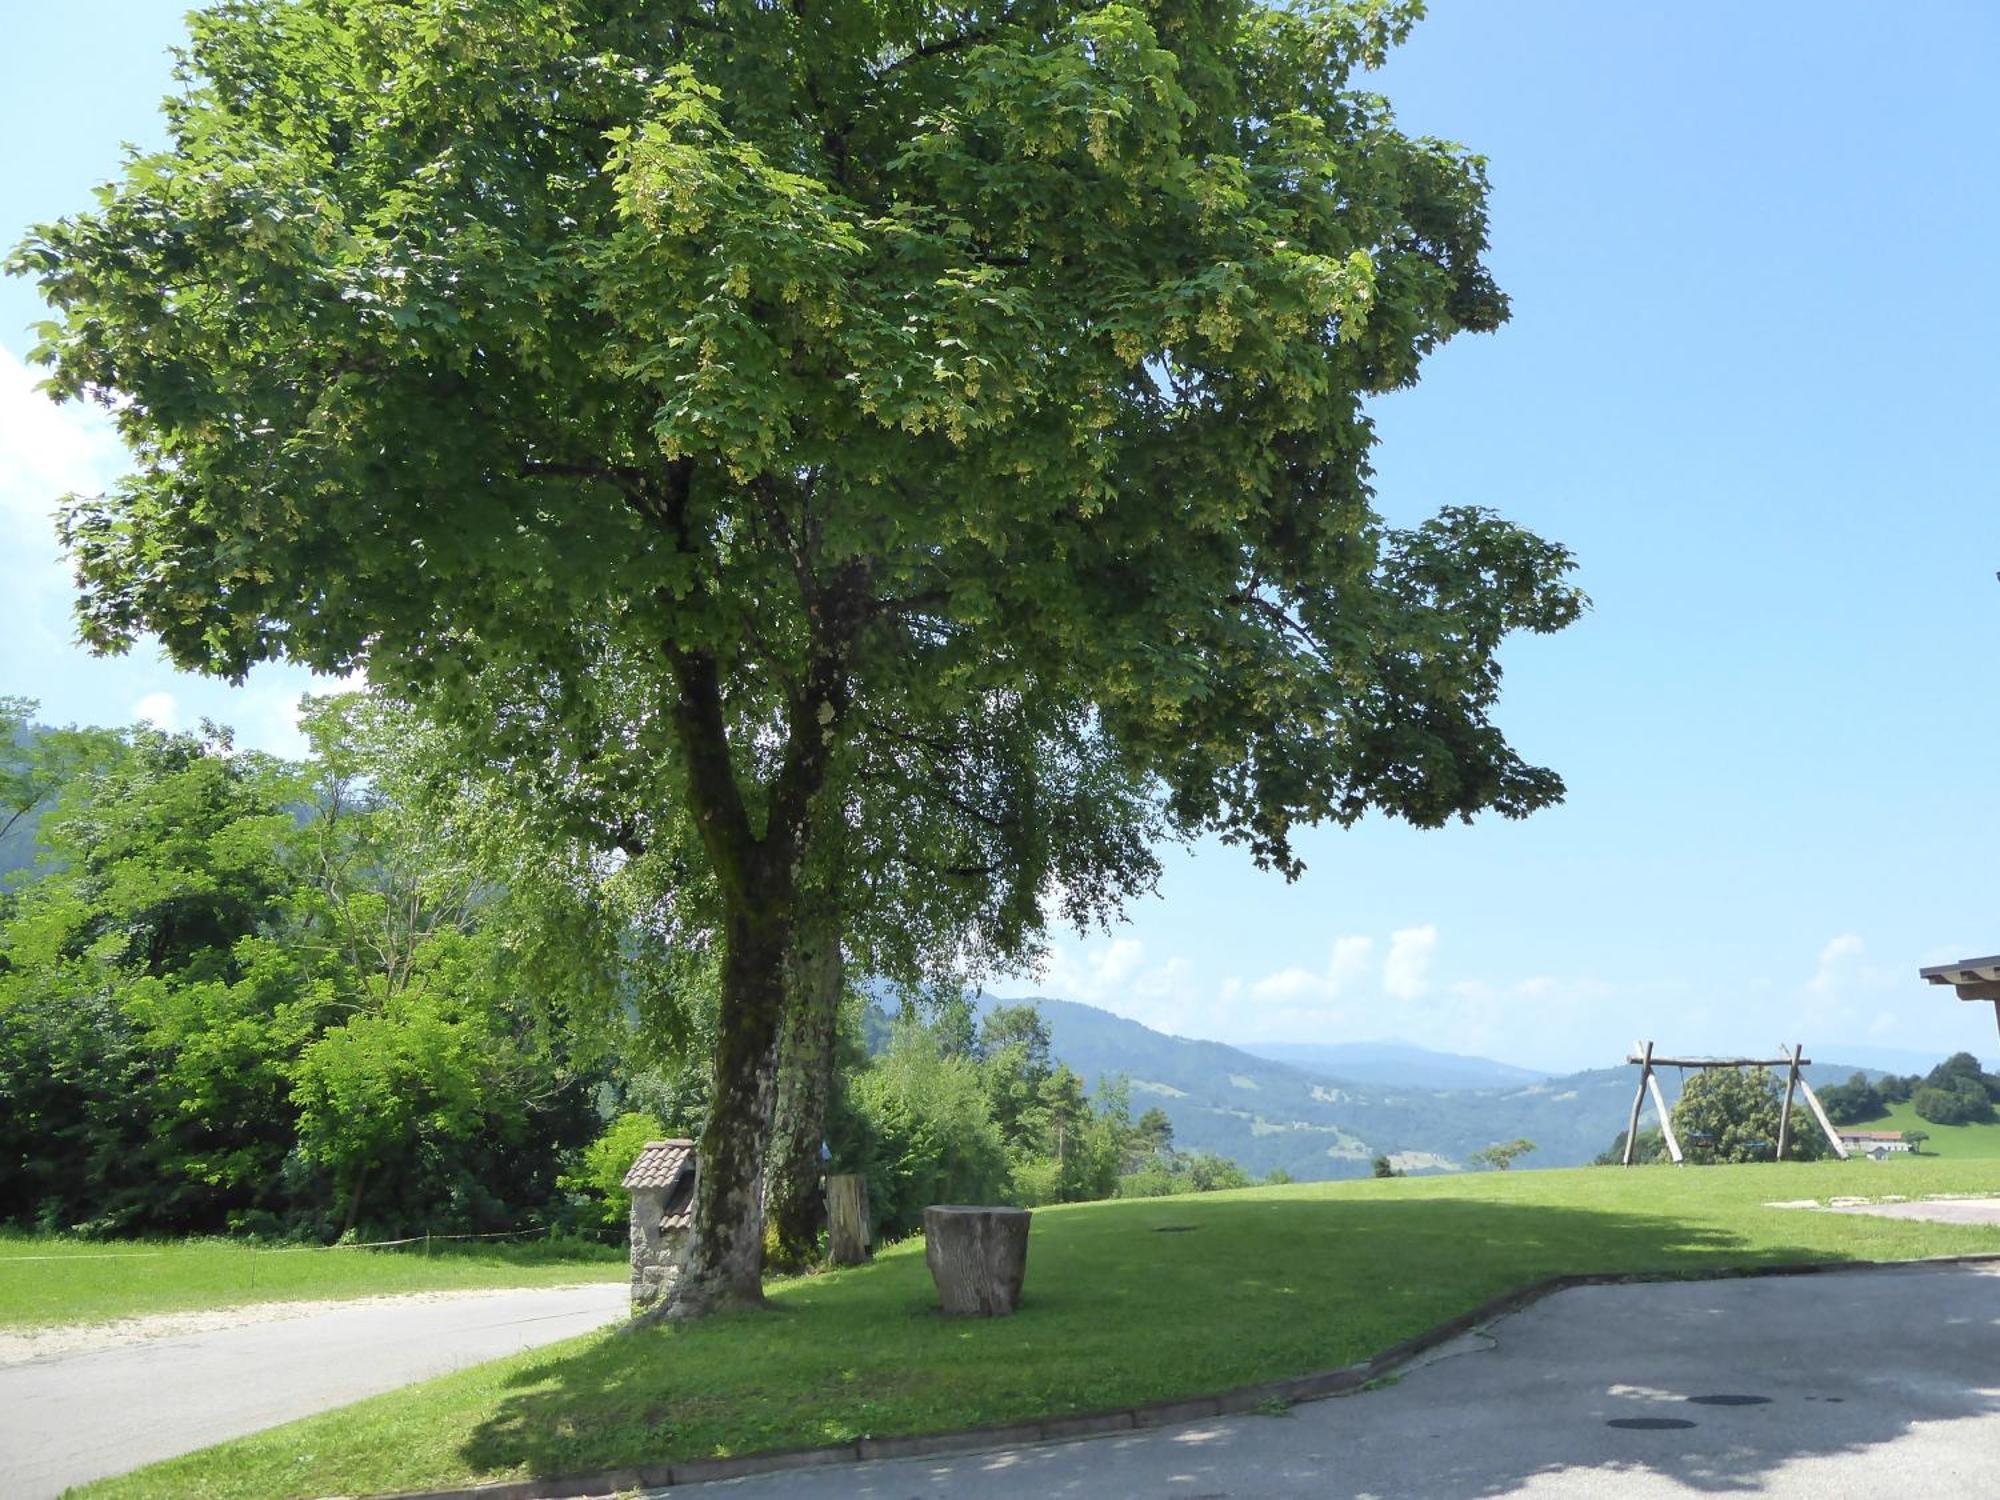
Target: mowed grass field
(1954, 1142)
(1253, 1285)
(47, 1281)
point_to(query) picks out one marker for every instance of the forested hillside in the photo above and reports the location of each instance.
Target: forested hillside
(1398, 1065)
(1276, 1116)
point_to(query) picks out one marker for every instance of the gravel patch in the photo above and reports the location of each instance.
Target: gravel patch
(21, 1346)
(1957, 1208)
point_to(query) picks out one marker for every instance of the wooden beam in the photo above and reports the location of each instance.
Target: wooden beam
(1986, 989)
(1722, 1062)
(1666, 1121)
(1832, 1135)
(1785, 1114)
(1638, 1100)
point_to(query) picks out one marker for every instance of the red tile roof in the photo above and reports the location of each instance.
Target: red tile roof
(661, 1164)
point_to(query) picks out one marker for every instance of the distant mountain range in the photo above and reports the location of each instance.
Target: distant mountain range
(1316, 1123)
(1397, 1065)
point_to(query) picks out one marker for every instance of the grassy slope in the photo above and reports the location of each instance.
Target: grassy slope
(1271, 1282)
(47, 1281)
(1961, 1142)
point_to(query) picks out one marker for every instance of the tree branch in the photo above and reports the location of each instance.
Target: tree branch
(943, 45)
(624, 475)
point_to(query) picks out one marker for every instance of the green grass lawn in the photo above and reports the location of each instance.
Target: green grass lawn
(1957, 1142)
(1264, 1283)
(46, 1281)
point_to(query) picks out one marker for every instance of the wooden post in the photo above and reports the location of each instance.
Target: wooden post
(1791, 1086)
(1666, 1120)
(1638, 1099)
(847, 1219)
(1832, 1135)
(977, 1256)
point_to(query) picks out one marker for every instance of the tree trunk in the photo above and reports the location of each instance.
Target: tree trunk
(978, 1257)
(757, 873)
(725, 1261)
(793, 1200)
(354, 1200)
(847, 1219)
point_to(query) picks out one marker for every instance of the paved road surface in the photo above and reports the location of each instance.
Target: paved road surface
(83, 1416)
(1862, 1384)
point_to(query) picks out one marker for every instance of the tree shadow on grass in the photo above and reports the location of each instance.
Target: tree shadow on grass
(1252, 1289)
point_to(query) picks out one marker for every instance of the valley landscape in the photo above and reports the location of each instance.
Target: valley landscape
(1318, 1124)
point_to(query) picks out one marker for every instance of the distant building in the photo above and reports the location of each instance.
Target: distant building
(1875, 1143)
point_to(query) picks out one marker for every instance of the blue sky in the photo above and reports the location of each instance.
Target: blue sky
(1751, 380)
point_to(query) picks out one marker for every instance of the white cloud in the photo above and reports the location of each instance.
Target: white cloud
(1346, 965)
(161, 710)
(1117, 975)
(1837, 963)
(46, 452)
(1367, 987)
(1406, 971)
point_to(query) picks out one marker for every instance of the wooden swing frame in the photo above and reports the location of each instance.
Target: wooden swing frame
(1795, 1083)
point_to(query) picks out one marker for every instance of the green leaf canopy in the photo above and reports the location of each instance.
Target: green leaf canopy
(857, 363)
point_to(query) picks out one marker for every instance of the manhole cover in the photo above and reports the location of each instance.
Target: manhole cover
(1175, 1228)
(1649, 1424)
(1729, 1400)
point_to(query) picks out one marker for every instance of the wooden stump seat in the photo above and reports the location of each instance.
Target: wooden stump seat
(978, 1256)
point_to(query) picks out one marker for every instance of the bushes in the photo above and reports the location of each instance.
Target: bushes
(1196, 1172)
(1956, 1092)
(245, 996)
(919, 1126)
(599, 1179)
(935, 1119)
(1648, 1147)
(1854, 1101)
(1956, 1103)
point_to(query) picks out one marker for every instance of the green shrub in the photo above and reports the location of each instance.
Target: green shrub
(599, 1181)
(919, 1125)
(1959, 1102)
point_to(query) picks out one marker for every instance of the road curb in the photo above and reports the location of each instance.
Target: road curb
(1264, 1396)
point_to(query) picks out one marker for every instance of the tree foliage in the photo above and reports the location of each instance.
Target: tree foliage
(1649, 1148)
(825, 375)
(927, 1113)
(1958, 1091)
(1852, 1102)
(1502, 1155)
(1956, 1103)
(1732, 1115)
(245, 994)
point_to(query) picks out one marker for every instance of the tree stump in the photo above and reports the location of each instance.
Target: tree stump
(978, 1257)
(847, 1219)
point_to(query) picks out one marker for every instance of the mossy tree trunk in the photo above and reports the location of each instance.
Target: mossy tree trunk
(758, 877)
(805, 1066)
(725, 1265)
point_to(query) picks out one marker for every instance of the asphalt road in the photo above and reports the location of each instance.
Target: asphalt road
(77, 1417)
(1861, 1384)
